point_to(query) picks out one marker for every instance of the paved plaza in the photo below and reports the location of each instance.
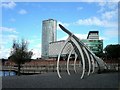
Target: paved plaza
(51, 80)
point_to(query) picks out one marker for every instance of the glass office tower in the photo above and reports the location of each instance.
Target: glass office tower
(49, 34)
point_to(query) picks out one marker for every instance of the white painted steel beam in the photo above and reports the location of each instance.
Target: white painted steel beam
(88, 60)
(75, 62)
(93, 64)
(81, 49)
(69, 60)
(82, 56)
(58, 72)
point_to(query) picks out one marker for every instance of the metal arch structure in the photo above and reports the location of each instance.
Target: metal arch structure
(81, 51)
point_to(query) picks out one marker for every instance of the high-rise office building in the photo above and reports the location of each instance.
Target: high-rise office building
(93, 35)
(96, 46)
(93, 42)
(49, 34)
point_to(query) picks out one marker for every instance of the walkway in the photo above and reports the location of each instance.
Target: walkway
(51, 80)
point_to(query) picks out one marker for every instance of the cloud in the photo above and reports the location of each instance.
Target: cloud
(112, 5)
(36, 51)
(110, 14)
(35, 46)
(22, 12)
(102, 4)
(111, 33)
(7, 39)
(103, 38)
(9, 30)
(99, 0)
(38, 46)
(79, 8)
(30, 41)
(107, 6)
(12, 37)
(96, 22)
(63, 38)
(9, 5)
(89, 21)
(4, 53)
(80, 36)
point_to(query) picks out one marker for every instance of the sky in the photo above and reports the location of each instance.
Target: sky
(23, 20)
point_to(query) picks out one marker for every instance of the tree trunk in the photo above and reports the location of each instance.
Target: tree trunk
(19, 66)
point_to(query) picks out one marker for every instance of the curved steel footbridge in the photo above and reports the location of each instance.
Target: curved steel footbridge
(82, 52)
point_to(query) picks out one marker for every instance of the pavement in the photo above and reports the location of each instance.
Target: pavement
(51, 80)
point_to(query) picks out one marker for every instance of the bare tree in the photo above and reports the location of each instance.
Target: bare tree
(20, 53)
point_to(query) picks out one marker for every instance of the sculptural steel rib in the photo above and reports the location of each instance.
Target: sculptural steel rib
(58, 72)
(81, 54)
(93, 64)
(88, 60)
(68, 61)
(79, 47)
(75, 62)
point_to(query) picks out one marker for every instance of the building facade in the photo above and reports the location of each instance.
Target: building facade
(93, 35)
(55, 47)
(49, 34)
(92, 42)
(96, 46)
